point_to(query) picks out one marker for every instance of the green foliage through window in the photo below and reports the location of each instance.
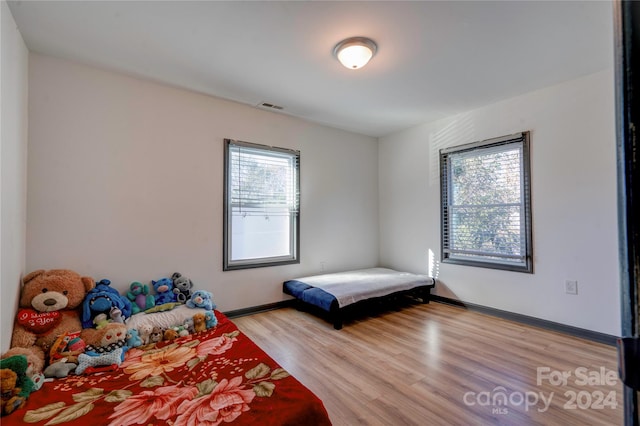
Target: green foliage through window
(486, 213)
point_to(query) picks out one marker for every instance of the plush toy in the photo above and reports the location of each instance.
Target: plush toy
(201, 299)
(100, 300)
(64, 355)
(67, 346)
(144, 331)
(100, 320)
(49, 304)
(115, 314)
(35, 362)
(112, 358)
(10, 400)
(199, 322)
(156, 335)
(181, 330)
(60, 369)
(111, 336)
(181, 287)
(35, 357)
(140, 298)
(16, 386)
(164, 290)
(133, 339)
(104, 347)
(76, 344)
(210, 319)
(170, 334)
(38, 380)
(188, 325)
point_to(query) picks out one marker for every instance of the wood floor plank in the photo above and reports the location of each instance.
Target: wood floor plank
(438, 364)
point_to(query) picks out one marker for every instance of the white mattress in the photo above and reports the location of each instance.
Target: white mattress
(353, 286)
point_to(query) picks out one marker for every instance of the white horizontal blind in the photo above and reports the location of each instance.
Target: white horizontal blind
(261, 206)
(263, 181)
(485, 197)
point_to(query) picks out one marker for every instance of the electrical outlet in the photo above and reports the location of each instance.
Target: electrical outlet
(571, 287)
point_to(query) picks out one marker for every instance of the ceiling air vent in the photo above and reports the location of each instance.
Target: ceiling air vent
(270, 106)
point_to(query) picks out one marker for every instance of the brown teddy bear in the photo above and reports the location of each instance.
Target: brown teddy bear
(15, 386)
(9, 398)
(170, 334)
(49, 307)
(199, 322)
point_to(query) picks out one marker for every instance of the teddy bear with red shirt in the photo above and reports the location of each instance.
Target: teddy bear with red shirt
(49, 307)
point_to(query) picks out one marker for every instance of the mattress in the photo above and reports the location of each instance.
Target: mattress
(346, 288)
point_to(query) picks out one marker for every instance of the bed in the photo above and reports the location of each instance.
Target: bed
(217, 376)
(341, 294)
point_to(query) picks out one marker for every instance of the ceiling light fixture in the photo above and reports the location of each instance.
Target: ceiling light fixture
(355, 52)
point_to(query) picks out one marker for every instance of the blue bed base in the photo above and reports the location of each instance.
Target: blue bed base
(309, 296)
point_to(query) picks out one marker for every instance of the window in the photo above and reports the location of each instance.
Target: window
(261, 199)
(486, 204)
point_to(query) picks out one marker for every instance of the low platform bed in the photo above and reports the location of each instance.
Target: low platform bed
(344, 293)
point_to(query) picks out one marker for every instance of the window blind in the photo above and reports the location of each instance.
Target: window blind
(263, 182)
(261, 206)
(486, 203)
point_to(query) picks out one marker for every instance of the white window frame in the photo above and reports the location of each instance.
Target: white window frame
(456, 247)
(263, 207)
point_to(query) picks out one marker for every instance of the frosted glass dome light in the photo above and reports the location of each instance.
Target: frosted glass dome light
(355, 52)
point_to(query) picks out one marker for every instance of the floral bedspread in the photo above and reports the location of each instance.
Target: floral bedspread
(213, 377)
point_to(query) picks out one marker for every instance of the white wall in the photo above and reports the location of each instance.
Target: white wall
(13, 169)
(573, 195)
(125, 182)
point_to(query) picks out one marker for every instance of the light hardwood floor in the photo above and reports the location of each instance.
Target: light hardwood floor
(437, 364)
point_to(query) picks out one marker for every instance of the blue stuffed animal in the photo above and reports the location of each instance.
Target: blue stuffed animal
(201, 299)
(133, 339)
(164, 290)
(100, 300)
(210, 319)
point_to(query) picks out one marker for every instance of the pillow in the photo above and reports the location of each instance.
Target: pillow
(164, 307)
(163, 319)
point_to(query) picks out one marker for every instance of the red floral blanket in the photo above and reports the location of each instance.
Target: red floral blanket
(209, 378)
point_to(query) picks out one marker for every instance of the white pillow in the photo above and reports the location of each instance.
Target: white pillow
(164, 319)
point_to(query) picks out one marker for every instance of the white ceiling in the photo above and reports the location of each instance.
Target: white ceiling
(434, 59)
